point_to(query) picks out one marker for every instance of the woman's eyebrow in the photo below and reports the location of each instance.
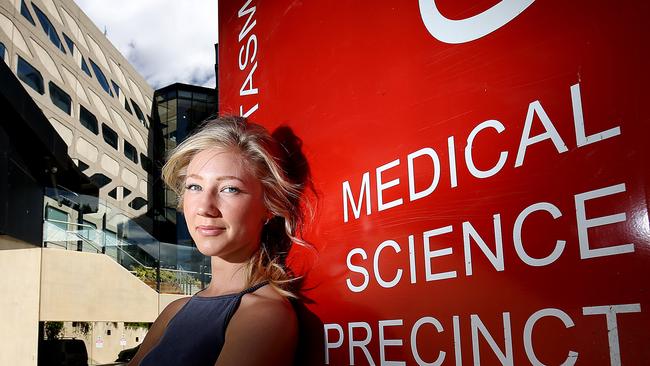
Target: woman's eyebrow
(220, 178)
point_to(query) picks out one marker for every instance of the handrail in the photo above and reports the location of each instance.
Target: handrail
(90, 242)
(132, 257)
(80, 236)
(71, 223)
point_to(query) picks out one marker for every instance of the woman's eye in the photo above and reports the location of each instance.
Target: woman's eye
(230, 189)
(192, 187)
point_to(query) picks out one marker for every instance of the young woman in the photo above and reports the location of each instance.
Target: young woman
(243, 211)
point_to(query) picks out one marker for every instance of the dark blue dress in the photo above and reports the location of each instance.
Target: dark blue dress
(195, 335)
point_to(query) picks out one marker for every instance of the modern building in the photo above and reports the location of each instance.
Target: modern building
(177, 110)
(88, 91)
(76, 247)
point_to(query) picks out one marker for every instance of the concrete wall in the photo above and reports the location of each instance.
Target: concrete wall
(78, 286)
(166, 299)
(20, 269)
(59, 285)
(22, 39)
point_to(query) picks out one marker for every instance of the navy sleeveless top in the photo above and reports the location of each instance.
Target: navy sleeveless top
(195, 335)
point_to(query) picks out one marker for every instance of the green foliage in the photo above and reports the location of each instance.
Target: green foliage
(53, 330)
(147, 274)
(82, 328)
(136, 325)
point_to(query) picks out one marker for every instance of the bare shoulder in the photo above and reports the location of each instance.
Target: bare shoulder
(263, 331)
(268, 308)
(158, 328)
(174, 306)
(267, 301)
(168, 313)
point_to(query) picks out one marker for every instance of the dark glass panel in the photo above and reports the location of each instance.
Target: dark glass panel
(146, 163)
(127, 106)
(100, 179)
(84, 67)
(137, 203)
(88, 120)
(101, 78)
(69, 42)
(116, 88)
(138, 111)
(113, 193)
(200, 97)
(82, 166)
(32, 77)
(109, 135)
(60, 98)
(130, 152)
(48, 28)
(25, 12)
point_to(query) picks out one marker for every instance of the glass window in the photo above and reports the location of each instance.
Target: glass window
(113, 193)
(60, 98)
(57, 217)
(116, 88)
(30, 76)
(88, 230)
(110, 238)
(88, 120)
(2, 51)
(146, 163)
(101, 77)
(109, 135)
(127, 106)
(69, 42)
(82, 166)
(137, 203)
(100, 179)
(130, 152)
(48, 28)
(138, 111)
(25, 12)
(84, 67)
(125, 192)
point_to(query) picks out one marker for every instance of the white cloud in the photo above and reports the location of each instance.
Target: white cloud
(167, 41)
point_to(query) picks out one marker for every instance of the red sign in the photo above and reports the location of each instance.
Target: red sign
(481, 167)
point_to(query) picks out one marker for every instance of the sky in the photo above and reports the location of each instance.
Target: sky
(167, 41)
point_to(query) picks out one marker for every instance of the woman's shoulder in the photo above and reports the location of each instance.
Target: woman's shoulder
(170, 311)
(158, 328)
(265, 322)
(173, 307)
(269, 302)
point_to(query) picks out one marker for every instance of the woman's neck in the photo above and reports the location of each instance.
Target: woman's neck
(227, 277)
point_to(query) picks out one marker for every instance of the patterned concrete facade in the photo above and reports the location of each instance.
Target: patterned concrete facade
(89, 92)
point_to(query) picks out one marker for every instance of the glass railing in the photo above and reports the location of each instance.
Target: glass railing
(86, 224)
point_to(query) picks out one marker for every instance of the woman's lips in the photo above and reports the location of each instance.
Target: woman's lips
(207, 230)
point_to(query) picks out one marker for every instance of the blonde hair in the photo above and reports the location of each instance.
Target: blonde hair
(267, 160)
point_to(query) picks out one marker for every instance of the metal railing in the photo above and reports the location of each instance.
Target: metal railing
(167, 268)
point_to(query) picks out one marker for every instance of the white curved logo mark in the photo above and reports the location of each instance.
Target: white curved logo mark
(466, 30)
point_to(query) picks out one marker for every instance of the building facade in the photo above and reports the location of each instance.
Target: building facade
(177, 110)
(98, 109)
(89, 92)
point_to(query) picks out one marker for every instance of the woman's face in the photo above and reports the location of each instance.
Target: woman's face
(223, 205)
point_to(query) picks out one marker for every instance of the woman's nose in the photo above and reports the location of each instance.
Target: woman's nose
(208, 207)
